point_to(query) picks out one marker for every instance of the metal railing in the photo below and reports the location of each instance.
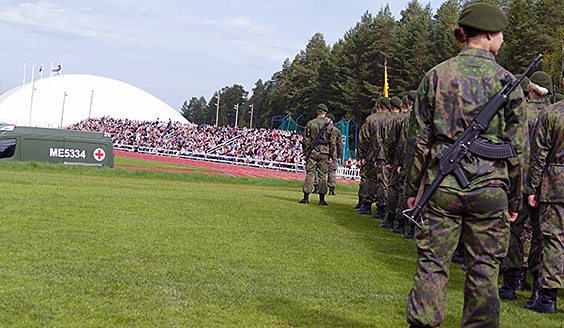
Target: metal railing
(343, 173)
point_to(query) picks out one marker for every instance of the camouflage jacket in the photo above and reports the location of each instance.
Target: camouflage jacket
(546, 172)
(311, 131)
(533, 108)
(368, 145)
(450, 95)
(337, 139)
(394, 138)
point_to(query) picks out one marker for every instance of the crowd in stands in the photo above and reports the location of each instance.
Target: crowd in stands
(253, 145)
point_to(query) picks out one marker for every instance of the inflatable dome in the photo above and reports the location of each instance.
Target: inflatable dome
(62, 100)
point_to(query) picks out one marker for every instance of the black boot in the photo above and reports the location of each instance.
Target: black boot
(507, 290)
(546, 303)
(400, 228)
(534, 293)
(380, 212)
(388, 223)
(306, 199)
(521, 283)
(411, 233)
(358, 204)
(322, 199)
(365, 209)
(332, 191)
(315, 190)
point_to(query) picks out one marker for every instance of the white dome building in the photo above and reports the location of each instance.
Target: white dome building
(63, 100)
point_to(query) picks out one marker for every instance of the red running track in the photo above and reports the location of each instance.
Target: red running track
(234, 170)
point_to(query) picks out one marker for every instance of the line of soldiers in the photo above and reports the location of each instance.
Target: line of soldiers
(381, 154)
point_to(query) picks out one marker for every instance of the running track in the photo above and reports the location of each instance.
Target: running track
(233, 170)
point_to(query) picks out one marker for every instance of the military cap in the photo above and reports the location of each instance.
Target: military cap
(395, 102)
(411, 95)
(384, 101)
(322, 107)
(331, 117)
(541, 83)
(404, 100)
(559, 97)
(483, 17)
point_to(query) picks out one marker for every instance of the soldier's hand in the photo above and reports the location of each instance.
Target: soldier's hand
(533, 201)
(513, 216)
(329, 160)
(411, 202)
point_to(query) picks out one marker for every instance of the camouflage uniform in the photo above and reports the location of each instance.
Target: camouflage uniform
(521, 233)
(394, 158)
(546, 180)
(337, 140)
(383, 173)
(317, 164)
(368, 147)
(449, 96)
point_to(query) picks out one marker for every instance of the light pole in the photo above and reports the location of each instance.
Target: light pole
(251, 123)
(236, 114)
(63, 112)
(217, 111)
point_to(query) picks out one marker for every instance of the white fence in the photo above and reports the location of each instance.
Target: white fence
(343, 173)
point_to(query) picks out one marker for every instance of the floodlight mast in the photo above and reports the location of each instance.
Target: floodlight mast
(217, 111)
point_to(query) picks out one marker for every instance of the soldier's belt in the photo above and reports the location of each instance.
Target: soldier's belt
(323, 142)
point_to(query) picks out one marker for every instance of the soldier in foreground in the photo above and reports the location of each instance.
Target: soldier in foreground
(450, 95)
(318, 152)
(337, 140)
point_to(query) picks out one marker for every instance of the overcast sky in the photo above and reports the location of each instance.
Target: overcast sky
(174, 50)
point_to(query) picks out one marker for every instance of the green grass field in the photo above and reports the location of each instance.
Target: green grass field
(86, 247)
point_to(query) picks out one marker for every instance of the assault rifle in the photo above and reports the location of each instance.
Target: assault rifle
(317, 141)
(467, 144)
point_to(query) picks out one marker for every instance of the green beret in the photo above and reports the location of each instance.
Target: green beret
(559, 97)
(384, 101)
(411, 95)
(322, 107)
(331, 117)
(483, 17)
(395, 102)
(404, 100)
(541, 79)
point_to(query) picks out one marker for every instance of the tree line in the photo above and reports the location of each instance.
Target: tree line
(349, 75)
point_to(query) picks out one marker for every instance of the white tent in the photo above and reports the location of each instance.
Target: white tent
(67, 99)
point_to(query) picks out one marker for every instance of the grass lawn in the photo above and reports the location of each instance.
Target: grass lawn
(87, 247)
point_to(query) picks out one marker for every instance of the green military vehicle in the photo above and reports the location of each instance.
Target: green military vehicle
(18, 143)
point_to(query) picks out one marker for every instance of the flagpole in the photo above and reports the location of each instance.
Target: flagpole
(41, 71)
(32, 87)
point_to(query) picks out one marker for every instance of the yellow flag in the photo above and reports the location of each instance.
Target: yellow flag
(386, 78)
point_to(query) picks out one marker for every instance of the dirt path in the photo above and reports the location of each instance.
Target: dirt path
(234, 170)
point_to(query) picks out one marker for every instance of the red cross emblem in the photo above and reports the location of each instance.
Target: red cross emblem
(99, 154)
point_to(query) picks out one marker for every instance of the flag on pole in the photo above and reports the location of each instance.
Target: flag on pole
(386, 78)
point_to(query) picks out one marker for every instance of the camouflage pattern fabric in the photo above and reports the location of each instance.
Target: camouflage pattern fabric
(336, 138)
(546, 180)
(480, 217)
(317, 163)
(383, 172)
(368, 148)
(394, 150)
(521, 231)
(552, 228)
(449, 96)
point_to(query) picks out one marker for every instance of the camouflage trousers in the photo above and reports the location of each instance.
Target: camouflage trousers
(394, 191)
(368, 189)
(536, 243)
(552, 258)
(519, 240)
(332, 173)
(316, 165)
(382, 176)
(481, 219)
(402, 200)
